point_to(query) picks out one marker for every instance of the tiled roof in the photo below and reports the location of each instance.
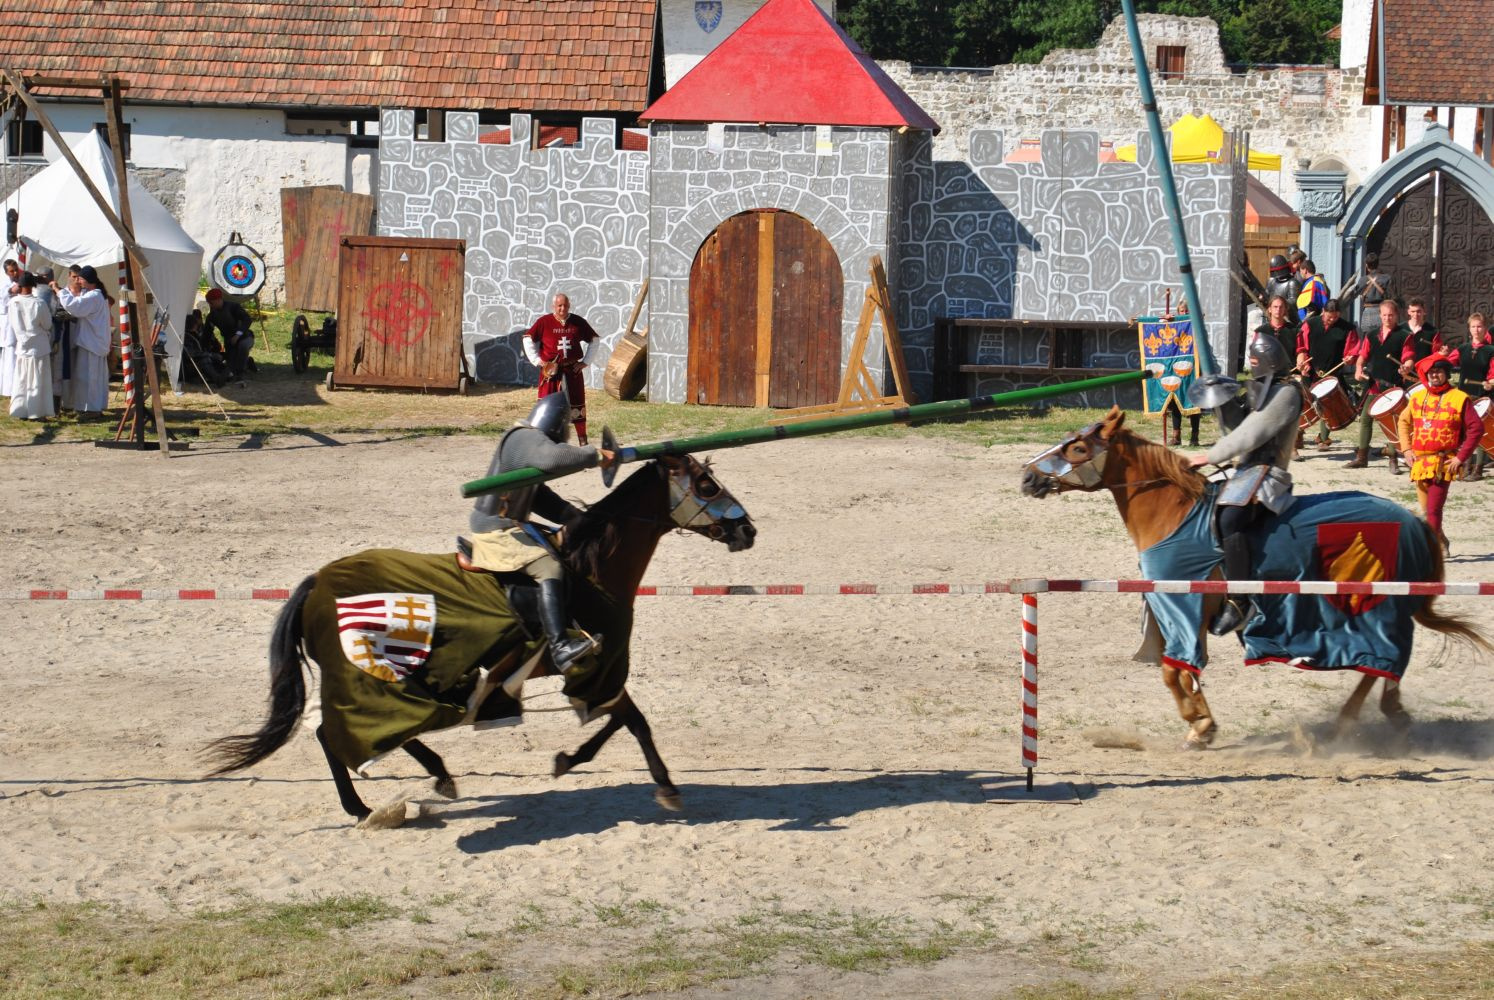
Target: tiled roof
(558, 55)
(1429, 55)
(789, 63)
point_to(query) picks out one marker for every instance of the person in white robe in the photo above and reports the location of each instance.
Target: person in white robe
(88, 389)
(31, 324)
(7, 335)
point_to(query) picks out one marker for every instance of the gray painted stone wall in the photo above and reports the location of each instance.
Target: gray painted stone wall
(846, 194)
(1066, 238)
(536, 222)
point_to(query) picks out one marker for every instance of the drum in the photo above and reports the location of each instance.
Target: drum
(1484, 407)
(1310, 413)
(1333, 403)
(1386, 408)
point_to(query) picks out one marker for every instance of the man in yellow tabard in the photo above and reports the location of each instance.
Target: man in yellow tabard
(1439, 431)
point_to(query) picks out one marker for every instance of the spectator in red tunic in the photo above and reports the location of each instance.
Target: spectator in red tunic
(557, 344)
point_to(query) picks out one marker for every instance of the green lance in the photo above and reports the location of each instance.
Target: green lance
(506, 482)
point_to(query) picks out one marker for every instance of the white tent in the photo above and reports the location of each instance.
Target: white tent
(61, 223)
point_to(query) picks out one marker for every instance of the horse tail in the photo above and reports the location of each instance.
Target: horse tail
(1454, 626)
(287, 693)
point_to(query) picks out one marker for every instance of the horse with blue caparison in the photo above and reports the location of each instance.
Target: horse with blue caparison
(1167, 508)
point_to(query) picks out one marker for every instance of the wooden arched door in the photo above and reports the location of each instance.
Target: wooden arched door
(765, 314)
(1438, 244)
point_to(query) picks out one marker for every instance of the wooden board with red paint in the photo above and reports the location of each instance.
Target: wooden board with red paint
(313, 220)
(399, 312)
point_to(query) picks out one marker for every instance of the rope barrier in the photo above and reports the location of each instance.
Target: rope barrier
(1392, 589)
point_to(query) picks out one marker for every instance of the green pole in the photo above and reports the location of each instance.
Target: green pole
(1163, 160)
(517, 479)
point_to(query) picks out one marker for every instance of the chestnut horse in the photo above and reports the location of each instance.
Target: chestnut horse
(1156, 491)
(474, 663)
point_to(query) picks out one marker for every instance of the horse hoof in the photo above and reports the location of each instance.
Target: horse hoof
(446, 788)
(669, 800)
(562, 765)
(391, 816)
(1192, 743)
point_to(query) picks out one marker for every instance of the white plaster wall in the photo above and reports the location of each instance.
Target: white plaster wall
(1353, 47)
(686, 43)
(233, 162)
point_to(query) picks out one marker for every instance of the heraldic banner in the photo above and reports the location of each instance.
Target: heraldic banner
(1168, 351)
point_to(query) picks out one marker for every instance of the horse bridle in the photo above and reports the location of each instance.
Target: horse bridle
(700, 503)
(1065, 473)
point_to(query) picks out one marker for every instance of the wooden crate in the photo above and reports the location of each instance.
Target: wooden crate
(399, 314)
(312, 221)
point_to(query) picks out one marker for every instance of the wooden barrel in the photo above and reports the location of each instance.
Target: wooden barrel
(626, 371)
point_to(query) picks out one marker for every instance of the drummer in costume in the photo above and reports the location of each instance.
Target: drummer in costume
(1380, 361)
(556, 344)
(1439, 433)
(1422, 339)
(1259, 444)
(1322, 347)
(1475, 361)
(504, 539)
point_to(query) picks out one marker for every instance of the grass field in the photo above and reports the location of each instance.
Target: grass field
(278, 400)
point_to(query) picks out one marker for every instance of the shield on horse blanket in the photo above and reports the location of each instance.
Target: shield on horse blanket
(1345, 536)
(403, 640)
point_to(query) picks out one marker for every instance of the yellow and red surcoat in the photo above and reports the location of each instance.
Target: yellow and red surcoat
(1431, 426)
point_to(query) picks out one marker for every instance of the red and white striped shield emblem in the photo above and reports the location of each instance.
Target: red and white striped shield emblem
(387, 635)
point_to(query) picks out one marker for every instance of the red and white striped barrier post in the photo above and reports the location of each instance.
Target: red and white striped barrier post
(126, 339)
(1029, 684)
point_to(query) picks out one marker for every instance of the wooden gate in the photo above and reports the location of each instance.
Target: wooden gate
(765, 314)
(312, 221)
(1438, 245)
(399, 313)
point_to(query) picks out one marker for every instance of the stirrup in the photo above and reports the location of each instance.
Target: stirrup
(567, 651)
(1230, 617)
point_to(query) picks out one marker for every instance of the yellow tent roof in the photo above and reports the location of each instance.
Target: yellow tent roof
(1199, 139)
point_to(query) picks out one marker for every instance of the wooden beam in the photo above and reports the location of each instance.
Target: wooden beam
(763, 363)
(120, 229)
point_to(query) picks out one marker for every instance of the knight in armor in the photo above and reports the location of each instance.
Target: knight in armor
(1283, 281)
(506, 540)
(1259, 441)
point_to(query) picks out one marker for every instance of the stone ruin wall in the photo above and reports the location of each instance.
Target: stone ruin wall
(1311, 113)
(536, 222)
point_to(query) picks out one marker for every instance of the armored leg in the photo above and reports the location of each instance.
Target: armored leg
(556, 619)
(1234, 521)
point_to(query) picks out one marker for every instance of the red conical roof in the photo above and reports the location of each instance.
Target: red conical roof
(789, 64)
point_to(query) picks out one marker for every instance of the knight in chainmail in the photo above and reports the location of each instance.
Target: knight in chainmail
(505, 539)
(1259, 441)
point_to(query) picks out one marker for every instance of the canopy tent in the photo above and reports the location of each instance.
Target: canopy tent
(59, 222)
(1200, 139)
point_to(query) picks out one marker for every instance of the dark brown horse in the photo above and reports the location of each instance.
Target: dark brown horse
(1157, 491)
(482, 646)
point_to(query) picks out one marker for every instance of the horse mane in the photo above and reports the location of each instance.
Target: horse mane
(1156, 461)
(593, 537)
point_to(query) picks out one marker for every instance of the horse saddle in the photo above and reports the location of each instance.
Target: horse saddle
(521, 591)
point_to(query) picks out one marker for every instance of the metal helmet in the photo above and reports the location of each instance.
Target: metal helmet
(1267, 356)
(1278, 263)
(1212, 391)
(552, 416)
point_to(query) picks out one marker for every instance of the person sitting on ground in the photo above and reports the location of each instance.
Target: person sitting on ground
(204, 356)
(232, 321)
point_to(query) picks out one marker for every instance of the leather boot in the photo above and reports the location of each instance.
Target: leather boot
(1360, 460)
(1476, 466)
(1396, 468)
(1193, 432)
(1236, 610)
(556, 620)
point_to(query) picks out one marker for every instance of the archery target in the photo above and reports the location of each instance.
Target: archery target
(238, 269)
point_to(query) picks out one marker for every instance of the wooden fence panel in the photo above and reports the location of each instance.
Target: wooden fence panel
(399, 313)
(313, 220)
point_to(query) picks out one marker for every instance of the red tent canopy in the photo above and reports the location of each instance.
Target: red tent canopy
(789, 63)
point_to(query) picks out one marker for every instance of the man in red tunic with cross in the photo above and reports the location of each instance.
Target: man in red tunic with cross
(556, 344)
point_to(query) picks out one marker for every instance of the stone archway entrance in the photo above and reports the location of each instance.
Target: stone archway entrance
(1438, 244)
(765, 314)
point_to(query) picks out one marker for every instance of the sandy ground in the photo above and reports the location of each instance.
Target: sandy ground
(836, 754)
